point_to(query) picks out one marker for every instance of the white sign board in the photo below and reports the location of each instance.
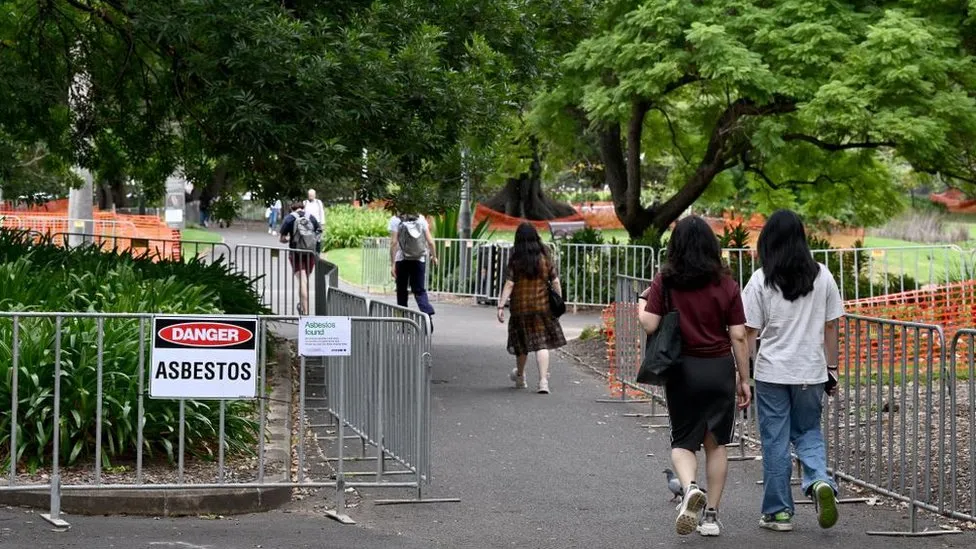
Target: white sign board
(204, 358)
(325, 336)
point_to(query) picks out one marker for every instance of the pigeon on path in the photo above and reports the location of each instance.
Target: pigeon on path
(674, 485)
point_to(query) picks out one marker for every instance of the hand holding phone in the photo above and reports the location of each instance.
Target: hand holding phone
(831, 386)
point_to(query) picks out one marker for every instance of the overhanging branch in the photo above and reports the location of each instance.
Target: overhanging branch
(752, 168)
(834, 147)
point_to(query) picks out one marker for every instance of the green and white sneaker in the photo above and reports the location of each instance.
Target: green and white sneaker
(779, 522)
(825, 502)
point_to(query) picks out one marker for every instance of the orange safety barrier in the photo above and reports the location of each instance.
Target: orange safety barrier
(500, 221)
(133, 233)
(617, 388)
(953, 307)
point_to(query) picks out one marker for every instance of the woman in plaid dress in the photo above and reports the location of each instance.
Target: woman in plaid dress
(532, 327)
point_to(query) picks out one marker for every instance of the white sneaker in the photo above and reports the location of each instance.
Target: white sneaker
(710, 526)
(544, 386)
(517, 379)
(691, 508)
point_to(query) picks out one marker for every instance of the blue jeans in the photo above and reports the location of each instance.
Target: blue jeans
(412, 272)
(790, 414)
(273, 220)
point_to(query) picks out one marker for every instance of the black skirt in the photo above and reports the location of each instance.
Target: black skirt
(701, 398)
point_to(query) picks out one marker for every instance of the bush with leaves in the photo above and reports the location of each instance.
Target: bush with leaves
(347, 226)
(47, 278)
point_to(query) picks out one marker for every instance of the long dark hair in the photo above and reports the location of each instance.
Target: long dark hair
(528, 252)
(785, 255)
(694, 257)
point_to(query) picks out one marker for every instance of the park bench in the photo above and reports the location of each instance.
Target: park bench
(562, 230)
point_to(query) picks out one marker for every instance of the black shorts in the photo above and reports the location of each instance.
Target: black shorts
(302, 261)
(701, 398)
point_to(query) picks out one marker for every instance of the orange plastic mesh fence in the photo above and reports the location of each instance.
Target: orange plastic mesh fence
(137, 234)
(953, 307)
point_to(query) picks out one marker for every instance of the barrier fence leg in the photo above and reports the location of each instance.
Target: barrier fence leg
(54, 516)
(339, 513)
(914, 532)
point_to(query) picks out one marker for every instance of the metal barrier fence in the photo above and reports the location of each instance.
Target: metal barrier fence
(157, 248)
(277, 275)
(901, 423)
(476, 268)
(76, 408)
(870, 272)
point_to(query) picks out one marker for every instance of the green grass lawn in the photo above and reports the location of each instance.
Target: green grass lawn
(202, 236)
(927, 264)
(350, 263)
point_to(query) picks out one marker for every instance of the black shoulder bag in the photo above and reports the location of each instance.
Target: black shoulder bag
(557, 305)
(663, 350)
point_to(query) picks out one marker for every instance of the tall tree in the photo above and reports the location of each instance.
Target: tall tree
(799, 94)
(274, 95)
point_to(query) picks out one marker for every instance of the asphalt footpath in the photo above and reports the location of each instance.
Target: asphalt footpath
(565, 470)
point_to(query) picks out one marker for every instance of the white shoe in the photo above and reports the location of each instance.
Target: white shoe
(710, 526)
(517, 379)
(544, 386)
(691, 508)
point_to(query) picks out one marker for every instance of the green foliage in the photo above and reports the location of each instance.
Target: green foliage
(86, 280)
(281, 95)
(347, 226)
(818, 105)
(736, 238)
(447, 226)
(586, 235)
(226, 208)
(652, 237)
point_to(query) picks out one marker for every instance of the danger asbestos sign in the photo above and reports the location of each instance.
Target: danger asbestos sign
(204, 358)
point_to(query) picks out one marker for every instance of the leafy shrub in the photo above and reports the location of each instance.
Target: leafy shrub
(446, 227)
(225, 209)
(47, 278)
(347, 226)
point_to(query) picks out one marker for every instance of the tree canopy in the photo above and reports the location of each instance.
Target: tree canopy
(802, 100)
(274, 95)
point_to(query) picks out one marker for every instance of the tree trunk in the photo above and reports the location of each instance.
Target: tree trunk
(623, 176)
(523, 196)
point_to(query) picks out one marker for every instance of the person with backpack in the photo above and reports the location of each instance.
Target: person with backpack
(301, 231)
(410, 245)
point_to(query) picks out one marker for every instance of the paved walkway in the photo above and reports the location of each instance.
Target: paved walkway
(564, 470)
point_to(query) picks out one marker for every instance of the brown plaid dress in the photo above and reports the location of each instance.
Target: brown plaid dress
(531, 326)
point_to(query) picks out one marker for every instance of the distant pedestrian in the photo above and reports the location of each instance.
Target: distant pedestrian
(301, 232)
(315, 208)
(701, 391)
(793, 303)
(532, 327)
(274, 214)
(410, 245)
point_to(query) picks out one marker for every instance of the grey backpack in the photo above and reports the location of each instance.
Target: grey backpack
(411, 238)
(304, 235)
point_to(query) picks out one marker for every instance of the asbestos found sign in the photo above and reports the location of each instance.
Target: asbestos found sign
(204, 358)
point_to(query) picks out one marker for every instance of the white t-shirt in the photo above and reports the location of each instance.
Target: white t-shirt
(395, 229)
(316, 209)
(792, 332)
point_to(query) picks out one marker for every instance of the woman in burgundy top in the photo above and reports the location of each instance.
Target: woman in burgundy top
(701, 391)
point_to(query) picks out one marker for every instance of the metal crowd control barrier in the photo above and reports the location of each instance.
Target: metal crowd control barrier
(275, 276)
(869, 272)
(962, 422)
(208, 252)
(891, 426)
(380, 392)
